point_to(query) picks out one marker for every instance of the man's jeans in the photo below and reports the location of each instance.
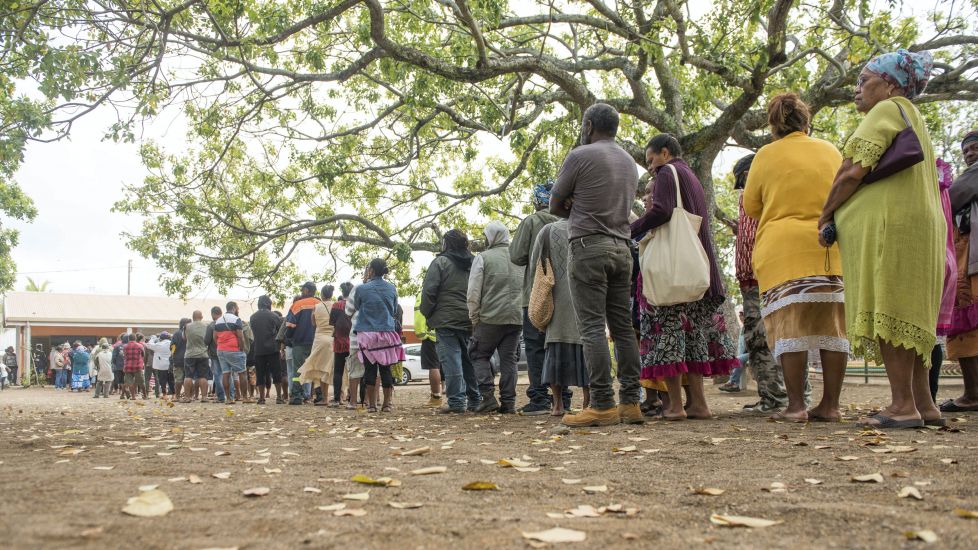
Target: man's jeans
(218, 382)
(535, 343)
(300, 352)
(60, 378)
(486, 339)
(600, 270)
(737, 374)
(460, 381)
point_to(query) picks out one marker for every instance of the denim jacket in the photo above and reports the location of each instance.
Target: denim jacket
(376, 304)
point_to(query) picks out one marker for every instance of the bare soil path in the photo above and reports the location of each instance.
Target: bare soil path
(68, 464)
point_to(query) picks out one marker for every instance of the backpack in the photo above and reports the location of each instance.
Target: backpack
(118, 360)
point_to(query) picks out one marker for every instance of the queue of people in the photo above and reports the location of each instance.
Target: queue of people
(863, 251)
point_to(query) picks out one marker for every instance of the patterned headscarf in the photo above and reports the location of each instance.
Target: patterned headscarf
(906, 70)
(541, 193)
(969, 137)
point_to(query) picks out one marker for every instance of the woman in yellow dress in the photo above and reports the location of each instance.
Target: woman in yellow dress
(318, 368)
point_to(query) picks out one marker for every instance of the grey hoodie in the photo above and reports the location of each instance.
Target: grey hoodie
(495, 283)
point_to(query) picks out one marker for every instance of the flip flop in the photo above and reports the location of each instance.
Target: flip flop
(887, 423)
(950, 406)
(818, 418)
(937, 422)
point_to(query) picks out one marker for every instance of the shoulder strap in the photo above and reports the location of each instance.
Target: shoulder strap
(679, 195)
(903, 114)
(545, 235)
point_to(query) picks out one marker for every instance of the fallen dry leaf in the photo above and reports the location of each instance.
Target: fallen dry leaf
(708, 491)
(273, 470)
(149, 504)
(777, 487)
(628, 449)
(354, 512)
(332, 507)
(144, 488)
(742, 521)
(311, 490)
(556, 535)
(949, 461)
(222, 453)
(356, 496)
(582, 511)
(429, 470)
(405, 505)
(258, 461)
(529, 470)
(104, 468)
(868, 478)
(379, 482)
(256, 492)
(222, 475)
(596, 489)
(847, 458)
(480, 486)
(966, 514)
(195, 479)
(813, 481)
(909, 491)
(571, 481)
(925, 535)
(417, 452)
(513, 463)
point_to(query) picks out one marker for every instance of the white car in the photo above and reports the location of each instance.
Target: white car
(412, 366)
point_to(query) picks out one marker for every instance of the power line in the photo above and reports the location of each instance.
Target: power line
(73, 270)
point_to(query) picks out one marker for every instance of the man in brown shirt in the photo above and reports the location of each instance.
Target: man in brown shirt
(595, 190)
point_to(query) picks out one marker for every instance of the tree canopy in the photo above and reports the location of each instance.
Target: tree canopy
(332, 129)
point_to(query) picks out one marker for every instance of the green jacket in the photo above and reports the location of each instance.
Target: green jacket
(523, 239)
(495, 282)
(443, 291)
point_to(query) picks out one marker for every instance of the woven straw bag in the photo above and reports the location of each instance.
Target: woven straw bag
(541, 308)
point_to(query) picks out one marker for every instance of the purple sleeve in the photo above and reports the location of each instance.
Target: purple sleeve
(663, 203)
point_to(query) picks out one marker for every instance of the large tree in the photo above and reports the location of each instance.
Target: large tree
(333, 129)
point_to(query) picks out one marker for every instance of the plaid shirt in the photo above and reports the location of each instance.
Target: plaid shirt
(746, 233)
(133, 357)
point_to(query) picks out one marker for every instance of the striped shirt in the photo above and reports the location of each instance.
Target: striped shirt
(225, 328)
(744, 256)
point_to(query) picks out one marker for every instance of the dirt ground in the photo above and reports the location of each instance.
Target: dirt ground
(51, 495)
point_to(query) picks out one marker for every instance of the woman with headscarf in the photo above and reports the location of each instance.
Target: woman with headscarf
(80, 359)
(318, 368)
(891, 237)
(962, 343)
(563, 361)
(800, 282)
(102, 360)
(690, 338)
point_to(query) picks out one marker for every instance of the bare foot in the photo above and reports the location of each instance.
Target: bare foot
(824, 414)
(558, 412)
(673, 415)
(699, 413)
(799, 417)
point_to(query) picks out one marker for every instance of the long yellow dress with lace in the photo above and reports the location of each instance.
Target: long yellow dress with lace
(319, 366)
(891, 236)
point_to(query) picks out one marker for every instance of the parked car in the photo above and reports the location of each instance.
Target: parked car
(413, 372)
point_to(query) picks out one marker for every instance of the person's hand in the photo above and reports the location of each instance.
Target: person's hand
(821, 239)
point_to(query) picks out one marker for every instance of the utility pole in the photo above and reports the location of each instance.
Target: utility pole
(129, 280)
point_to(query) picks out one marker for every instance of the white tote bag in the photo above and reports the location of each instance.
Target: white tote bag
(675, 268)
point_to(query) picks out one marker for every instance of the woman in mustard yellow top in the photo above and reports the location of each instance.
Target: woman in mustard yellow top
(800, 281)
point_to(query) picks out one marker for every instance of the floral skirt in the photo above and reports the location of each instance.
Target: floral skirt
(684, 338)
(80, 381)
(806, 314)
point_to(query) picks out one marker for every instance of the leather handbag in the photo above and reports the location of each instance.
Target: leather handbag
(541, 308)
(675, 267)
(904, 152)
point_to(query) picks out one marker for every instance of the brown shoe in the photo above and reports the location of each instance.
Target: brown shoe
(434, 402)
(592, 417)
(630, 413)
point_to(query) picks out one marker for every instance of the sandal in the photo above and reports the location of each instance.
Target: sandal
(371, 409)
(950, 406)
(886, 423)
(350, 407)
(386, 409)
